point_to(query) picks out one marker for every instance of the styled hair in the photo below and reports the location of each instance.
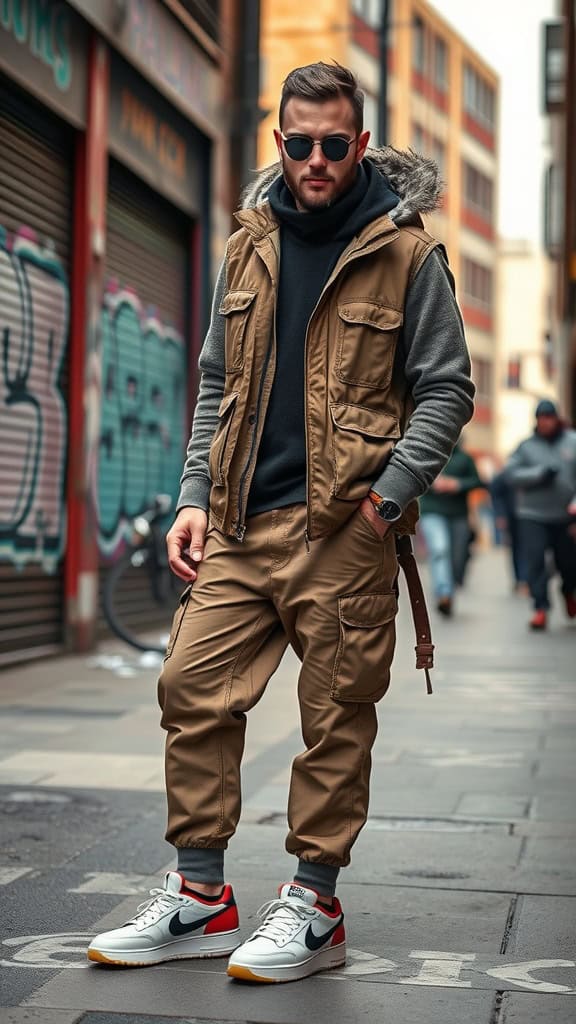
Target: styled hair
(320, 81)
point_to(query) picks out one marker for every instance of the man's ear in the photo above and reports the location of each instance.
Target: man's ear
(363, 140)
(278, 140)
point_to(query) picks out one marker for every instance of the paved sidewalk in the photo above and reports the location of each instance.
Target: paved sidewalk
(461, 900)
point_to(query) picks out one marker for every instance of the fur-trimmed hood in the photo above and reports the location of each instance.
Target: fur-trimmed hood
(415, 178)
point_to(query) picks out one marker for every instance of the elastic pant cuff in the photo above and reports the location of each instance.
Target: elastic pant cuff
(320, 877)
(201, 865)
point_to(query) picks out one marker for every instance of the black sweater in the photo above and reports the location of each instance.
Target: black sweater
(310, 244)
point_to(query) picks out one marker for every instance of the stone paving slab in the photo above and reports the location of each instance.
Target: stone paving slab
(544, 926)
(178, 992)
(520, 1008)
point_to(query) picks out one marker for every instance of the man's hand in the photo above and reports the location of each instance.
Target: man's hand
(572, 508)
(446, 484)
(185, 542)
(379, 525)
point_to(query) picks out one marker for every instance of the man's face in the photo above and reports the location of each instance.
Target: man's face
(547, 425)
(317, 182)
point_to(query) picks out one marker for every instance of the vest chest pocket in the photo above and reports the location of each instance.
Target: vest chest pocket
(366, 344)
(236, 308)
(216, 464)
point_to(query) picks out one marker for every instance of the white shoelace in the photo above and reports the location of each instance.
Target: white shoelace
(281, 917)
(149, 911)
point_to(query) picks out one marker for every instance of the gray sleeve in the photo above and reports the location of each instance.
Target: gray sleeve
(195, 483)
(437, 370)
(520, 473)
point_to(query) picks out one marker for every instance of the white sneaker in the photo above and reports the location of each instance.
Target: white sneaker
(298, 937)
(172, 925)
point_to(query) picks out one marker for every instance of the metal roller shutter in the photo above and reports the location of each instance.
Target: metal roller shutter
(143, 422)
(35, 230)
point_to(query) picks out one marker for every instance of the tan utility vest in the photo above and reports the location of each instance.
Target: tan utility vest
(356, 400)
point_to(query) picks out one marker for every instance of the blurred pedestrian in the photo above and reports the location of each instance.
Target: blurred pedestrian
(333, 305)
(445, 523)
(543, 472)
(507, 524)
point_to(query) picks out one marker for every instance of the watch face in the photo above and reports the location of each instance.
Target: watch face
(389, 510)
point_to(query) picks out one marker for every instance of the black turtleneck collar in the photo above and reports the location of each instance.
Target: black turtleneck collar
(369, 197)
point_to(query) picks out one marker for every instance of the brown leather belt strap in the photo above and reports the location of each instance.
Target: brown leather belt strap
(424, 646)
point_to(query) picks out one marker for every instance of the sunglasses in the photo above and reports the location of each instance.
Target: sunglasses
(299, 147)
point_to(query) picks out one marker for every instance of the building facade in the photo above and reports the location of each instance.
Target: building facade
(113, 210)
(442, 101)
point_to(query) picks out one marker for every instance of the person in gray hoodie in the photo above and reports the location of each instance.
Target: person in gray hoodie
(543, 472)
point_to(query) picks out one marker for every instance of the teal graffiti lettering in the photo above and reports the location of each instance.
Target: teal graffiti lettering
(34, 315)
(62, 65)
(46, 25)
(142, 415)
(19, 26)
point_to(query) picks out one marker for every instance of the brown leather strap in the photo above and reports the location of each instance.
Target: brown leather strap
(424, 646)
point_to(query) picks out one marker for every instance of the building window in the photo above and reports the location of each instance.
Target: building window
(479, 99)
(482, 376)
(440, 64)
(369, 10)
(477, 284)
(418, 45)
(371, 117)
(418, 138)
(438, 154)
(514, 373)
(478, 192)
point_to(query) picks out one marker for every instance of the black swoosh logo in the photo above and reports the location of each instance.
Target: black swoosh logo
(178, 927)
(314, 941)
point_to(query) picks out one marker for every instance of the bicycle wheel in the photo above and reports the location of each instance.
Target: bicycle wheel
(146, 627)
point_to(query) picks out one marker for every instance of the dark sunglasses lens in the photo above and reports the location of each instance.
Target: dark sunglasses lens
(298, 147)
(335, 148)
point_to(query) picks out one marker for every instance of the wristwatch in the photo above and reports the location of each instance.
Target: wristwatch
(388, 509)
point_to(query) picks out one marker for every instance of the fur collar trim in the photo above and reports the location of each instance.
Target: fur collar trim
(415, 178)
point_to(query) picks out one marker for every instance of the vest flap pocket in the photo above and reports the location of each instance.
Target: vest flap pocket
(361, 311)
(226, 402)
(361, 420)
(220, 451)
(235, 302)
(367, 610)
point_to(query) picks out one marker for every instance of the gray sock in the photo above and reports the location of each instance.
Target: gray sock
(200, 865)
(320, 877)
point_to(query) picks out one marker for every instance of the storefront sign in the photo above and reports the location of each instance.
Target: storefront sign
(43, 46)
(154, 42)
(148, 135)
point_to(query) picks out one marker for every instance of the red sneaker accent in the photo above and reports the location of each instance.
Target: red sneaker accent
(538, 620)
(570, 602)
(339, 936)
(225, 922)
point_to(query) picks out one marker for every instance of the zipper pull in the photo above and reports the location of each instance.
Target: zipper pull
(240, 531)
(307, 542)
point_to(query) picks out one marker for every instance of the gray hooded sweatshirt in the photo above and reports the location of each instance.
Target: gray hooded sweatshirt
(543, 473)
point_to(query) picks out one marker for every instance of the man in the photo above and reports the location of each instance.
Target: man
(543, 471)
(329, 316)
(446, 528)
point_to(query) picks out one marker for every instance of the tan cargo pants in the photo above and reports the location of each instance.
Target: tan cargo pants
(335, 604)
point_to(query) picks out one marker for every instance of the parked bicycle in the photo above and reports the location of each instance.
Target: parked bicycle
(143, 576)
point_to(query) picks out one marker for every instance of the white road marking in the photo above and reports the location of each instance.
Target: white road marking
(8, 875)
(106, 883)
(438, 968)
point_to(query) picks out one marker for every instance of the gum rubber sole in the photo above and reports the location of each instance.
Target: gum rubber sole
(96, 957)
(242, 973)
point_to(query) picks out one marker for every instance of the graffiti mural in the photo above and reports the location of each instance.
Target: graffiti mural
(34, 317)
(142, 422)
